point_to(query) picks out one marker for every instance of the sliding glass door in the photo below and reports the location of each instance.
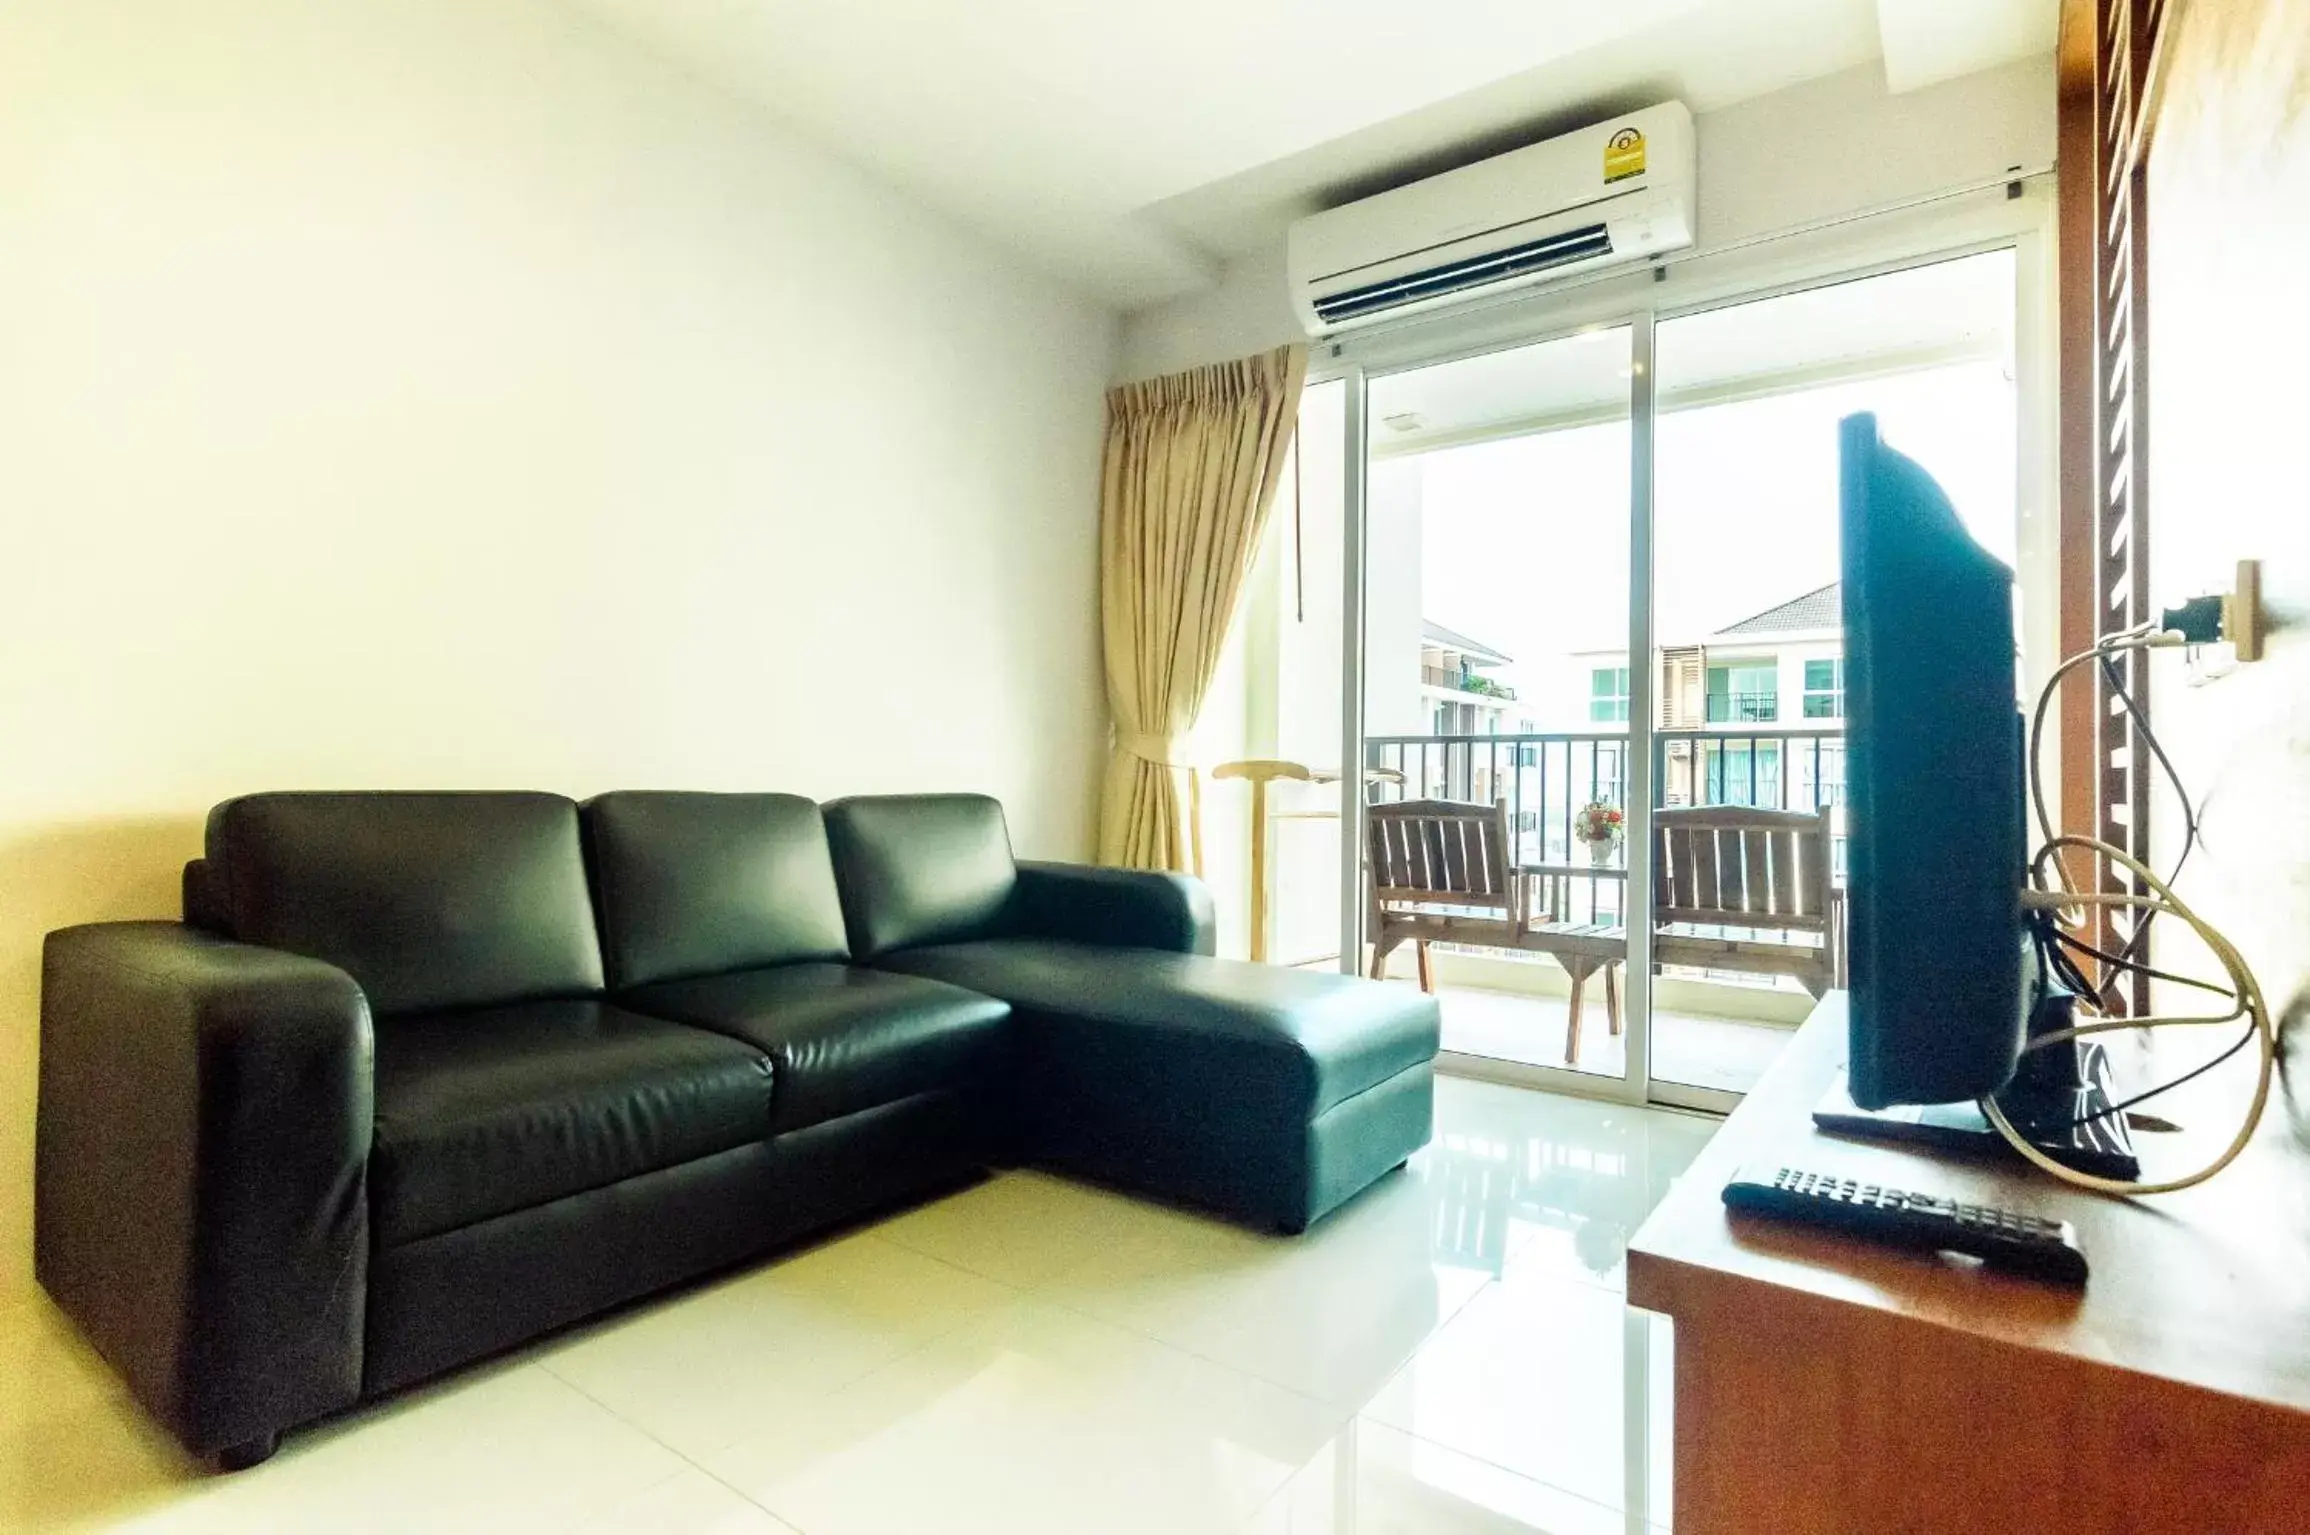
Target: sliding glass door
(1594, 637)
(1749, 731)
(1496, 611)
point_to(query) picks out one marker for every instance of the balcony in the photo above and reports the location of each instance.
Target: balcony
(1546, 777)
(1747, 708)
(1710, 1028)
(1476, 684)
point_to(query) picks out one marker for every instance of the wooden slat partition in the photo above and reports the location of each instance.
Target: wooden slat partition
(2125, 46)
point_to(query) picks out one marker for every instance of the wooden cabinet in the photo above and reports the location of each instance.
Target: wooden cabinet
(1824, 1384)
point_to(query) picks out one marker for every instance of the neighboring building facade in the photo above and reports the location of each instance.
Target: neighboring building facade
(1457, 695)
(1784, 666)
(1780, 672)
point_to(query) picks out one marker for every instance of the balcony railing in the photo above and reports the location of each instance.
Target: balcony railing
(1546, 778)
(1745, 707)
(1473, 683)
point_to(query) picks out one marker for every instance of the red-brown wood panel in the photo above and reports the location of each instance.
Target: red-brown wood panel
(2106, 767)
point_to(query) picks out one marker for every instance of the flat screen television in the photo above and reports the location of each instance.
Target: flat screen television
(1935, 837)
(1944, 972)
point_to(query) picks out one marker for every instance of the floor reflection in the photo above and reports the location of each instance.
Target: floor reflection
(1449, 1353)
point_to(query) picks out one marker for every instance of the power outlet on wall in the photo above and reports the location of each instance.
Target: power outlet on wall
(2235, 616)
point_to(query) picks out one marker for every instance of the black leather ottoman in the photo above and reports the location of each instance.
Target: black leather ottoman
(1269, 1094)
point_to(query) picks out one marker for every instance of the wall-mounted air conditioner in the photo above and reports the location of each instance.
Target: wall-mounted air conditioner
(1619, 192)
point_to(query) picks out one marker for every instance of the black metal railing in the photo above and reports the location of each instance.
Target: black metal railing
(1747, 707)
(1461, 681)
(1546, 778)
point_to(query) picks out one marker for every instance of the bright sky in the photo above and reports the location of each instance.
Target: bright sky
(1526, 540)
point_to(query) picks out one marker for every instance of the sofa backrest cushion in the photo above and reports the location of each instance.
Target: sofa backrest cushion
(698, 884)
(430, 900)
(205, 899)
(919, 869)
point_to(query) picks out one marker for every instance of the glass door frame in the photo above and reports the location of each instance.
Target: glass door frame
(2026, 230)
(1634, 1084)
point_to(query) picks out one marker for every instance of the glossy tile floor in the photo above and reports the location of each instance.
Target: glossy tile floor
(1696, 1049)
(1450, 1354)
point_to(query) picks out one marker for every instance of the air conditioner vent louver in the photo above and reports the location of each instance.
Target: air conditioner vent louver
(1584, 244)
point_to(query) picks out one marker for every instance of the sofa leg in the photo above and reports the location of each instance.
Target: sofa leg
(249, 1452)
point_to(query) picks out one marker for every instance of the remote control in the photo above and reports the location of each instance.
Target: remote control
(2003, 1239)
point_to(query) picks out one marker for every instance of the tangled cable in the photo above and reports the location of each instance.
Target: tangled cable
(2066, 908)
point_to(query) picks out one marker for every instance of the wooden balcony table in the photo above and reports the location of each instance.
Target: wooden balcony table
(1582, 948)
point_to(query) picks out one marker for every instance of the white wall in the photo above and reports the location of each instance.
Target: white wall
(1394, 599)
(1796, 159)
(1307, 624)
(1790, 661)
(1248, 310)
(441, 392)
(1276, 694)
(2229, 213)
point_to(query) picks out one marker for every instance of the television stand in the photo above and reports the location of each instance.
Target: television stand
(1827, 1384)
(2060, 1100)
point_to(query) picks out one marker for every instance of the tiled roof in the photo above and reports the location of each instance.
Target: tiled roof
(1821, 609)
(1436, 636)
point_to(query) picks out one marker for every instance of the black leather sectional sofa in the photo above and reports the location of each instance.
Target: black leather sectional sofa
(423, 1075)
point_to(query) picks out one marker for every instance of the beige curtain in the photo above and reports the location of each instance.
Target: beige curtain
(1191, 465)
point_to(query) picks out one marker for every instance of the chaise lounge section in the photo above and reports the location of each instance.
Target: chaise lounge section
(425, 1075)
(1270, 1094)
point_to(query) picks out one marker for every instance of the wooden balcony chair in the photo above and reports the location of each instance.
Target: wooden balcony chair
(1747, 890)
(1444, 872)
(1440, 871)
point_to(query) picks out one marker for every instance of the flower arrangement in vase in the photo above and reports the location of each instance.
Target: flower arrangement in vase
(1598, 825)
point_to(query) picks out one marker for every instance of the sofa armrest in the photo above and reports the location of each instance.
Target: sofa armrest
(1119, 908)
(201, 1206)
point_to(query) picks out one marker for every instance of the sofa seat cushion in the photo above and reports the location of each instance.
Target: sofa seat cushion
(842, 1038)
(1268, 1040)
(492, 1110)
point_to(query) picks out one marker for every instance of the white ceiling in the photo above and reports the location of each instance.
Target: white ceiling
(1133, 147)
(1928, 41)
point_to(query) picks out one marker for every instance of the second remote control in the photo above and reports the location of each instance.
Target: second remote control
(2004, 1239)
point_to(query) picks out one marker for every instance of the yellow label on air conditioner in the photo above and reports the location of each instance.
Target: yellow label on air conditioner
(1623, 156)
